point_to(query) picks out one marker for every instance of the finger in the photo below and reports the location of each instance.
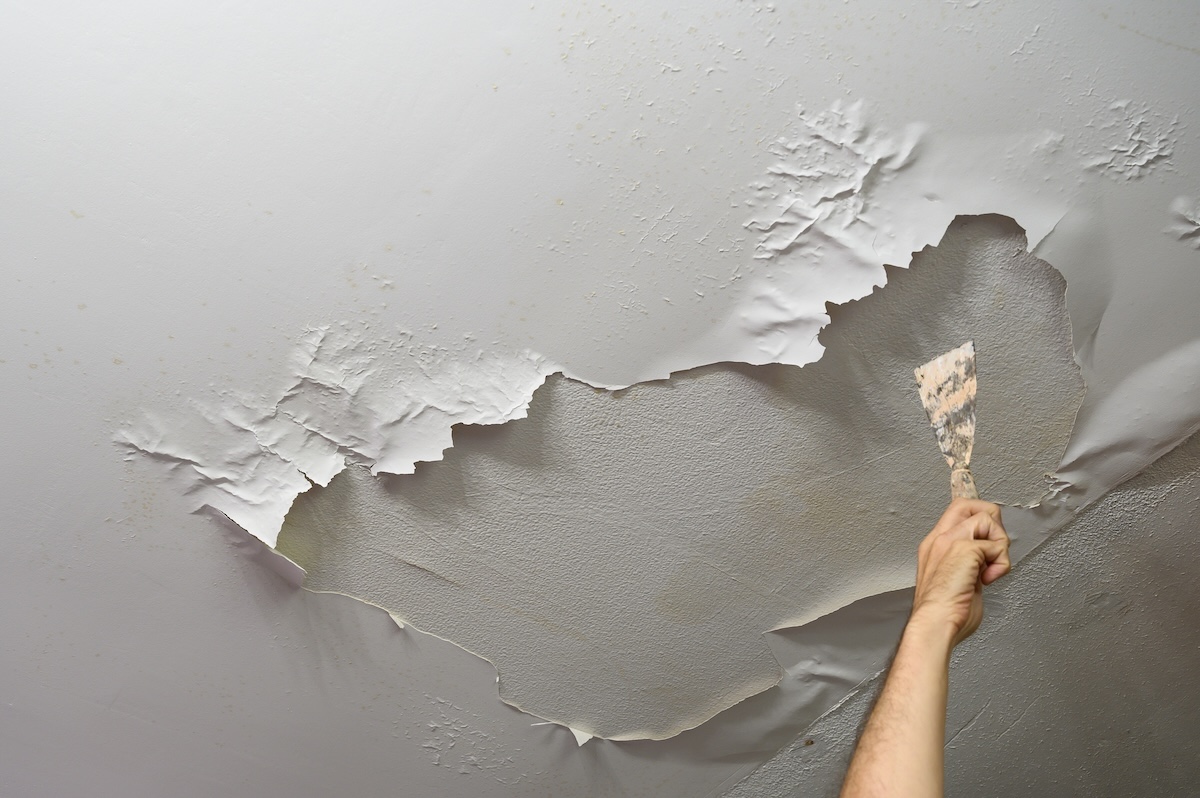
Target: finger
(960, 510)
(980, 526)
(994, 572)
(985, 527)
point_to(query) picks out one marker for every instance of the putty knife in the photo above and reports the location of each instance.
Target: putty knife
(947, 388)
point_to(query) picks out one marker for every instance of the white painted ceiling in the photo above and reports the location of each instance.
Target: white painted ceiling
(484, 195)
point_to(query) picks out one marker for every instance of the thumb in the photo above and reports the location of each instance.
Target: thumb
(995, 554)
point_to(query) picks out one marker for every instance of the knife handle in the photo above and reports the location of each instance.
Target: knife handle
(962, 484)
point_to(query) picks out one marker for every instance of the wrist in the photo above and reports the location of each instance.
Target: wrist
(930, 631)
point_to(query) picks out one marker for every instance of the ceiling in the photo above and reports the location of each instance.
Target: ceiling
(572, 343)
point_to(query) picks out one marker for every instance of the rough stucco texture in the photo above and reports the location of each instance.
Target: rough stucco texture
(631, 606)
(1079, 613)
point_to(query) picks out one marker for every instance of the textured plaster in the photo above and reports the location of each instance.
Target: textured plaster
(626, 605)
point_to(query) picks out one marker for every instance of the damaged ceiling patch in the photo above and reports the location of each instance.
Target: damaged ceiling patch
(629, 606)
(839, 197)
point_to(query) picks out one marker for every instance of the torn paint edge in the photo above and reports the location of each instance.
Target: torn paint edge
(250, 460)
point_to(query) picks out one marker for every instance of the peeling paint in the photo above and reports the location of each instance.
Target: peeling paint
(1134, 141)
(841, 197)
(386, 404)
(813, 205)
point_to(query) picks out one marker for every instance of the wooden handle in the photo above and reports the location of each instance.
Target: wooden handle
(962, 484)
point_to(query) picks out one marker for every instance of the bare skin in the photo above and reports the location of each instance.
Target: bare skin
(900, 752)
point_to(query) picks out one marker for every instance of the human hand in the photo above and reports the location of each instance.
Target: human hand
(967, 549)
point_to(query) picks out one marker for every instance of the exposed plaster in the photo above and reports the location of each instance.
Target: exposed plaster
(627, 607)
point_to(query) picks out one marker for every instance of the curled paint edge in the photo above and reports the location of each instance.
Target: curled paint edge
(581, 737)
(1095, 463)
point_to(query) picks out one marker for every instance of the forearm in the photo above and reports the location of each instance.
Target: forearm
(900, 752)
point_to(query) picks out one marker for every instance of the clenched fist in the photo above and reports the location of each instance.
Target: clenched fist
(967, 549)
